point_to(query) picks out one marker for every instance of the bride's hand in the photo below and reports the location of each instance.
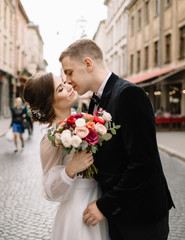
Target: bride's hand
(80, 162)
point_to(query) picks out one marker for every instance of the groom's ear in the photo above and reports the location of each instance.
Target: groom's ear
(88, 64)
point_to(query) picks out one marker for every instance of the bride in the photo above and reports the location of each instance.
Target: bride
(50, 100)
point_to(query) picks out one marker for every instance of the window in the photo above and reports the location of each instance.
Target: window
(138, 61)
(147, 12)
(182, 43)
(167, 2)
(4, 53)
(156, 54)
(10, 57)
(11, 23)
(139, 20)
(146, 57)
(156, 9)
(168, 48)
(132, 64)
(132, 26)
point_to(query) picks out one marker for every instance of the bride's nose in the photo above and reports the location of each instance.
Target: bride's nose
(68, 87)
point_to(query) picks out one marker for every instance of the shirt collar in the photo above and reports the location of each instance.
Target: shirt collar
(100, 90)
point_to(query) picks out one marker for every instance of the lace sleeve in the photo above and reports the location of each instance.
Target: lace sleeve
(57, 184)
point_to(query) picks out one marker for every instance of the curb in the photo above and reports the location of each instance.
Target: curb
(171, 152)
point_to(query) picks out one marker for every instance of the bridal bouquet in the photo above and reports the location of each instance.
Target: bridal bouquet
(83, 131)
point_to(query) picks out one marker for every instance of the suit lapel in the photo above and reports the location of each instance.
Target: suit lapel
(106, 93)
(107, 90)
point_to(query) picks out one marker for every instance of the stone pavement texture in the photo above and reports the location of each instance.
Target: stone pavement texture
(25, 214)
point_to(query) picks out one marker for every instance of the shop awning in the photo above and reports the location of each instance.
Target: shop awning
(152, 75)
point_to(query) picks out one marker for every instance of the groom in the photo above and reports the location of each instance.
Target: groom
(135, 196)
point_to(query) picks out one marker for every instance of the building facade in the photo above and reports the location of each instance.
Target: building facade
(16, 35)
(7, 55)
(145, 43)
(156, 59)
(116, 28)
(34, 50)
(99, 36)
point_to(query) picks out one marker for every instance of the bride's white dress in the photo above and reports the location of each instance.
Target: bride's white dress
(74, 196)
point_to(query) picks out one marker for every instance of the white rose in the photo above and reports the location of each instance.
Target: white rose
(80, 122)
(75, 141)
(107, 116)
(66, 132)
(66, 138)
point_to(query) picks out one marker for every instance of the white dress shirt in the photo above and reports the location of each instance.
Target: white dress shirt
(100, 90)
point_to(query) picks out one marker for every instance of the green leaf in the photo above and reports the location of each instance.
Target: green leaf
(107, 136)
(94, 149)
(79, 110)
(113, 131)
(86, 120)
(57, 124)
(84, 145)
(58, 139)
(106, 125)
(117, 126)
(67, 150)
(51, 138)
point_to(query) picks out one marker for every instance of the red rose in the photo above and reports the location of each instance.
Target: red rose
(98, 120)
(71, 120)
(78, 115)
(92, 138)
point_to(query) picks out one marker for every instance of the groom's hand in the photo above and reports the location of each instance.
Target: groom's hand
(92, 214)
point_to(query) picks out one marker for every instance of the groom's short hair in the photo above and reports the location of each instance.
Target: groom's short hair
(82, 48)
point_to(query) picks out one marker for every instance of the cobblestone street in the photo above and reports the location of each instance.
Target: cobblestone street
(25, 214)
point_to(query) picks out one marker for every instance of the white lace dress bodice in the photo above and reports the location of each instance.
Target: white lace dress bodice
(74, 195)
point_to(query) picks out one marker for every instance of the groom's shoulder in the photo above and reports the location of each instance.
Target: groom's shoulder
(123, 84)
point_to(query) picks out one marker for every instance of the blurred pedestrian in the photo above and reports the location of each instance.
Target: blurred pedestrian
(28, 118)
(18, 113)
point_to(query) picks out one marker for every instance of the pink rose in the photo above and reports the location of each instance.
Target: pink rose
(92, 138)
(100, 128)
(61, 124)
(82, 132)
(57, 141)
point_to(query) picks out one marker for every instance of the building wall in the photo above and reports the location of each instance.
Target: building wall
(116, 36)
(144, 36)
(21, 33)
(7, 33)
(34, 51)
(99, 36)
(14, 52)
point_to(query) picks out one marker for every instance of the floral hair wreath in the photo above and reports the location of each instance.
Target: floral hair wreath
(38, 113)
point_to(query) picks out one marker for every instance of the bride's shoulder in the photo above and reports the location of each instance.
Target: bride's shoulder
(45, 142)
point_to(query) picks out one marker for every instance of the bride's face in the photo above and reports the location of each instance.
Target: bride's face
(64, 95)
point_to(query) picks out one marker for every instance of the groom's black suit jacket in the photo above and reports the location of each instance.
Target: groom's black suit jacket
(129, 167)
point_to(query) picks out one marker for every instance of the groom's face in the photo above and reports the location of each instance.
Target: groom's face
(76, 74)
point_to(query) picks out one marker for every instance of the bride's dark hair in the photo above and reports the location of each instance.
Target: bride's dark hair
(38, 92)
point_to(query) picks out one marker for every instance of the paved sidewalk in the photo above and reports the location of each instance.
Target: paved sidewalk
(4, 125)
(172, 142)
